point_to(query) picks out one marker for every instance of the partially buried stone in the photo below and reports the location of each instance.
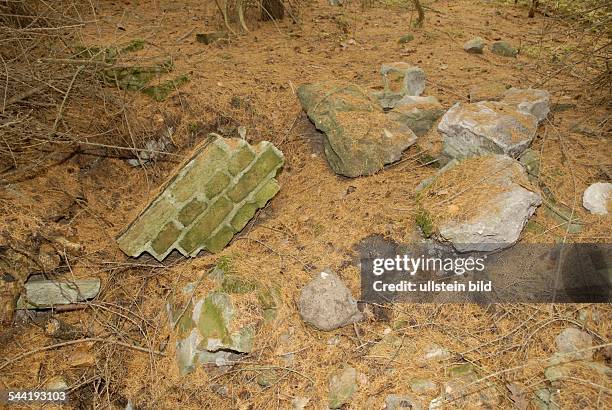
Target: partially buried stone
(327, 304)
(486, 128)
(597, 198)
(403, 78)
(499, 185)
(504, 49)
(474, 46)
(487, 91)
(399, 402)
(211, 37)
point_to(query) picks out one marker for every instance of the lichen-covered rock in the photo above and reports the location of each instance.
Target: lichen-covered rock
(360, 139)
(474, 46)
(529, 100)
(327, 304)
(486, 128)
(504, 49)
(597, 197)
(342, 387)
(208, 200)
(417, 113)
(499, 185)
(208, 332)
(436, 353)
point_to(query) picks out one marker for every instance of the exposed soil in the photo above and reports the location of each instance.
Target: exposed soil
(315, 221)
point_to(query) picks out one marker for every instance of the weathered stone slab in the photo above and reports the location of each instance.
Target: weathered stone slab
(529, 100)
(498, 185)
(342, 387)
(417, 113)
(486, 127)
(44, 294)
(360, 139)
(209, 199)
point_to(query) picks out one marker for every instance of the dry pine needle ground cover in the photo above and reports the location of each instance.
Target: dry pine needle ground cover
(316, 219)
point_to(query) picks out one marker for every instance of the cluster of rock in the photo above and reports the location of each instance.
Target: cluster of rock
(360, 135)
(219, 189)
(502, 48)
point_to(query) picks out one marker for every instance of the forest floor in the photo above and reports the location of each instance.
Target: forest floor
(317, 218)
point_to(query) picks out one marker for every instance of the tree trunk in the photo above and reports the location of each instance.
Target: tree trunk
(420, 12)
(272, 10)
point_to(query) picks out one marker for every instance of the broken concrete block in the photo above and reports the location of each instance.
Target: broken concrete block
(486, 127)
(403, 78)
(209, 333)
(44, 294)
(209, 199)
(399, 80)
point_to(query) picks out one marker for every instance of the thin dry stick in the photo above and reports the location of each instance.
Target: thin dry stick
(66, 94)
(73, 342)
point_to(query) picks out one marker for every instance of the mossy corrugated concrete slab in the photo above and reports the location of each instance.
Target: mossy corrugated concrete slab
(208, 200)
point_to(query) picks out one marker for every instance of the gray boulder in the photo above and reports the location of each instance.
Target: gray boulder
(360, 139)
(529, 100)
(596, 197)
(502, 212)
(417, 113)
(486, 127)
(474, 46)
(327, 304)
